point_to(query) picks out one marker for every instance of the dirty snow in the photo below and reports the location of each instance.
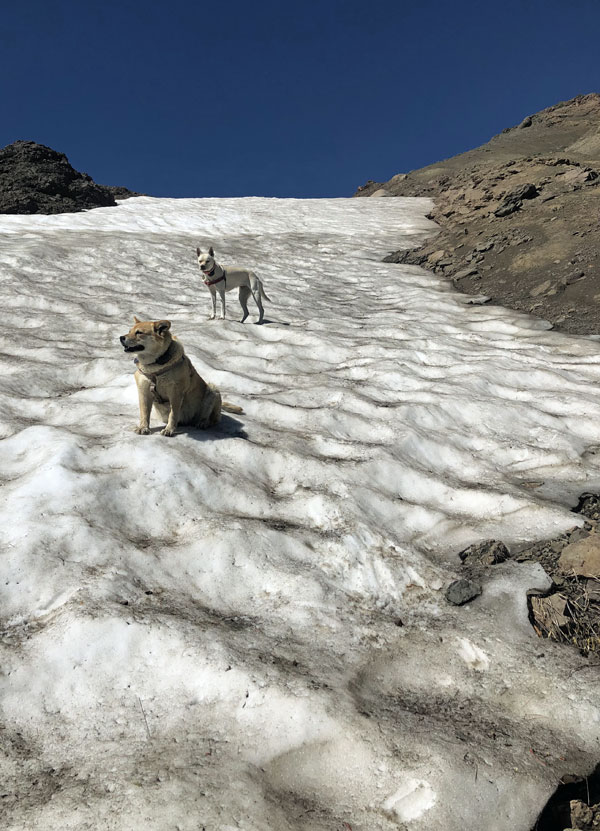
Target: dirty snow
(246, 628)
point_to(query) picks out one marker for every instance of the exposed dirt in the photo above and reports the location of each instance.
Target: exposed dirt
(519, 216)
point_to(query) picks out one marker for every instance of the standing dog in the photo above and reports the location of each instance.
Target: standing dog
(166, 379)
(219, 279)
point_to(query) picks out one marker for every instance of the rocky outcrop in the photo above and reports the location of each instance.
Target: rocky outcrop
(36, 179)
(519, 216)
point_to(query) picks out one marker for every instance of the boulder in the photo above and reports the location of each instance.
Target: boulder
(528, 191)
(582, 557)
(461, 591)
(509, 206)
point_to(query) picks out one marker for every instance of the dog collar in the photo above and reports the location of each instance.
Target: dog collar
(153, 375)
(166, 356)
(161, 360)
(209, 273)
(214, 282)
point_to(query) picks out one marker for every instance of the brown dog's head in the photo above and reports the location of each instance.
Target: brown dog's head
(152, 337)
(206, 261)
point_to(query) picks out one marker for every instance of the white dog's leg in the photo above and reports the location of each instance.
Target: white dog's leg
(222, 298)
(244, 295)
(213, 297)
(255, 287)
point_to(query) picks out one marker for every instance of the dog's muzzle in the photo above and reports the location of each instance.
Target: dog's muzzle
(136, 348)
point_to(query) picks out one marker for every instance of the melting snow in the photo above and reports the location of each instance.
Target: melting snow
(245, 628)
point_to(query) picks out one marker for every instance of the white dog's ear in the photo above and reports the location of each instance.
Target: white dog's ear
(198, 252)
(211, 251)
(136, 319)
(162, 326)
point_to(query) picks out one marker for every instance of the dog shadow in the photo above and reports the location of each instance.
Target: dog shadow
(227, 428)
(267, 320)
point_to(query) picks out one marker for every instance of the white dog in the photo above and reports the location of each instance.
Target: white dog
(219, 279)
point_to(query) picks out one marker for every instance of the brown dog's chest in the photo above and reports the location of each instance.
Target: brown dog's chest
(174, 382)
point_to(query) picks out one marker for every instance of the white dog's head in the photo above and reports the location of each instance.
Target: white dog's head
(206, 261)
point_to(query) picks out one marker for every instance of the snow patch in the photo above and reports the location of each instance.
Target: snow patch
(472, 655)
(412, 799)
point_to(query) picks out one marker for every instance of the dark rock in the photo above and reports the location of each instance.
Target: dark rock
(527, 122)
(409, 256)
(37, 179)
(466, 272)
(589, 506)
(574, 277)
(508, 207)
(513, 201)
(462, 591)
(528, 191)
(488, 552)
(120, 192)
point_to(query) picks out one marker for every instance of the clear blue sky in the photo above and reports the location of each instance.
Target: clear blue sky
(278, 98)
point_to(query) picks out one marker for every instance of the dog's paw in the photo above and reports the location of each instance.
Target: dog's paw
(222, 317)
(142, 431)
(167, 432)
(211, 317)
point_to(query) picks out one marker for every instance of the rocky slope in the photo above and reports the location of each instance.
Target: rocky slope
(34, 179)
(519, 216)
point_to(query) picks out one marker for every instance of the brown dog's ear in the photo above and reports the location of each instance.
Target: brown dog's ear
(211, 251)
(136, 319)
(198, 252)
(162, 326)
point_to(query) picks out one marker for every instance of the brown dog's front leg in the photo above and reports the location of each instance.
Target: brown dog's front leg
(173, 421)
(145, 399)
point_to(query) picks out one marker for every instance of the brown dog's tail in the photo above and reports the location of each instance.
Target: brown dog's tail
(231, 408)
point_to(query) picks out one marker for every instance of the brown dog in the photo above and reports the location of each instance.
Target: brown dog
(166, 379)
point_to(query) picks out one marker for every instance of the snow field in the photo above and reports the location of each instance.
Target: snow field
(245, 628)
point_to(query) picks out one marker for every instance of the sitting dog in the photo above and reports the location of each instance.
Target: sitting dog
(166, 379)
(219, 279)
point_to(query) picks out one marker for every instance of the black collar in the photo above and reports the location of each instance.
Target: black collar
(166, 356)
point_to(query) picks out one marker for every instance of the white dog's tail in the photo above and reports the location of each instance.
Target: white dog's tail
(263, 292)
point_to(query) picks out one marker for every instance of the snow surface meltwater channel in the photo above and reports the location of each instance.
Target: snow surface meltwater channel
(245, 628)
